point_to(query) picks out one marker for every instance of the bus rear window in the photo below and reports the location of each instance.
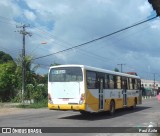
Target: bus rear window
(65, 74)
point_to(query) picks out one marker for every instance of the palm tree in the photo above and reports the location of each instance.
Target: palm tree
(30, 69)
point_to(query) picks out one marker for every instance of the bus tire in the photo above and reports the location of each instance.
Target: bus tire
(112, 107)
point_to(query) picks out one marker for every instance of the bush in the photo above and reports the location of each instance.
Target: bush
(40, 93)
(17, 96)
(40, 104)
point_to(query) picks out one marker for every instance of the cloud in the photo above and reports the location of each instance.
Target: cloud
(29, 15)
(145, 9)
(63, 24)
(155, 25)
(9, 9)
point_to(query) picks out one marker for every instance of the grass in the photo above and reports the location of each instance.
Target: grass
(36, 105)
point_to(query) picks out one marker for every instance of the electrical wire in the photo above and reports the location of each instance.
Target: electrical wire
(51, 36)
(91, 40)
(94, 40)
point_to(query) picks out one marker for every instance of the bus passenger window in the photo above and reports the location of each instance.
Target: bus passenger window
(133, 83)
(124, 82)
(136, 84)
(91, 80)
(111, 82)
(139, 84)
(106, 82)
(130, 84)
(118, 82)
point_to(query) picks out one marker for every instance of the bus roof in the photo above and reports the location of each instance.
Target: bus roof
(97, 70)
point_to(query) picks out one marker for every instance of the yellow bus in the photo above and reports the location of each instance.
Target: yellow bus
(90, 90)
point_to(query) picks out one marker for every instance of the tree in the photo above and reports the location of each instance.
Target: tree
(7, 76)
(55, 64)
(29, 70)
(41, 79)
(156, 6)
(5, 57)
(7, 80)
(11, 79)
(116, 70)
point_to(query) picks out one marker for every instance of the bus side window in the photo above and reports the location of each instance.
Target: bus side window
(130, 83)
(118, 82)
(91, 80)
(115, 82)
(139, 84)
(133, 83)
(106, 85)
(136, 84)
(111, 82)
(124, 83)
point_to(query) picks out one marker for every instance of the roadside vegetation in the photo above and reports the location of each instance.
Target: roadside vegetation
(36, 105)
(11, 82)
(35, 95)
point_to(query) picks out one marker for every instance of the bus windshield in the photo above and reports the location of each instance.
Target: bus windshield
(65, 74)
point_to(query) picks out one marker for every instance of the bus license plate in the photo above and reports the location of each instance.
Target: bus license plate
(65, 99)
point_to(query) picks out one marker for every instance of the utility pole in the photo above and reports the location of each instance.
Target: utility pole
(24, 33)
(121, 67)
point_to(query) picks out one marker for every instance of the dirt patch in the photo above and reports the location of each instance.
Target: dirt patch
(9, 111)
(4, 111)
(9, 108)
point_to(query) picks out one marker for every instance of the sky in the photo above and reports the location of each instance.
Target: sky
(60, 24)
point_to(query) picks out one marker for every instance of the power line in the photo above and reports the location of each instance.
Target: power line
(51, 36)
(60, 43)
(47, 34)
(94, 40)
(91, 53)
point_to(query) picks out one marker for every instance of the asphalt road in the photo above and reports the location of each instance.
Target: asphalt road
(148, 112)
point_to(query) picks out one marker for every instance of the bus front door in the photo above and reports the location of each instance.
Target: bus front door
(101, 94)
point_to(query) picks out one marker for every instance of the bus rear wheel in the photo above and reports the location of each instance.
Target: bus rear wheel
(112, 107)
